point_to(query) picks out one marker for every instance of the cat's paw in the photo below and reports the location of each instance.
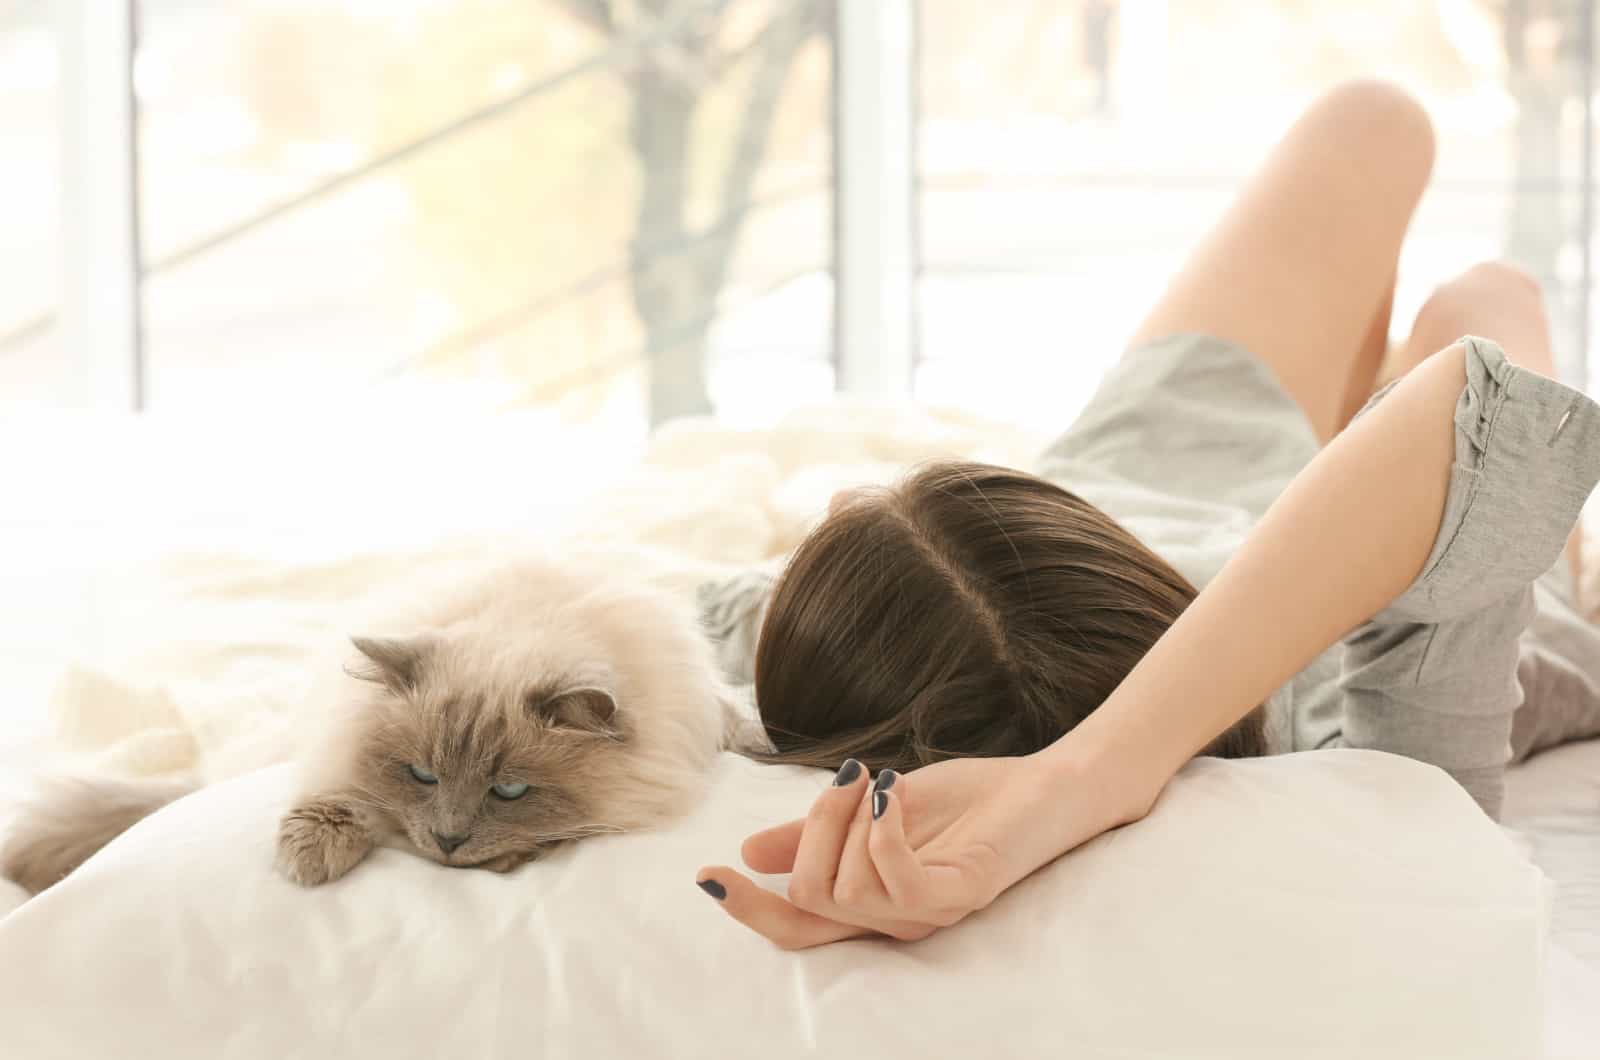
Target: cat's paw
(321, 840)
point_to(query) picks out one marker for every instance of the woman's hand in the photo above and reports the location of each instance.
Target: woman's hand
(907, 855)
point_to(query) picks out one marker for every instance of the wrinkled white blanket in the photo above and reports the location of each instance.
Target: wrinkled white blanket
(200, 652)
(200, 660)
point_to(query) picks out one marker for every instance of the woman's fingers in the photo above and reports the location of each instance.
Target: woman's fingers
(772, 850)
(937, 892)
(904, 858)
(769, 914)
(822, 841)
(904, 878)
(857, 891)
(780, 921)
(835, 872)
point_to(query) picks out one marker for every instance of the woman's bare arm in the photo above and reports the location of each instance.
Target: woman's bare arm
(1350, 533)
(1347, 537)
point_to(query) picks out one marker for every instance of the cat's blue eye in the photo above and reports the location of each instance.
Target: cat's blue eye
(509, 791)
(422, 776)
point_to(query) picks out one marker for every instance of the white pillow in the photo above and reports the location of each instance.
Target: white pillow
(1335, 904)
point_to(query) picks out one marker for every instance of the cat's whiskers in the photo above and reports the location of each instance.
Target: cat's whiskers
(374, 799)
(579, 833)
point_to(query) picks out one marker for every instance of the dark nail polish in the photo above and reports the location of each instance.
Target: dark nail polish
(847, 773)
(886, 779)
(713, 888)
(880, 802)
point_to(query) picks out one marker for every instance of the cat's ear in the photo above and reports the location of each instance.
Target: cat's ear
(396, 663)
(587, 709)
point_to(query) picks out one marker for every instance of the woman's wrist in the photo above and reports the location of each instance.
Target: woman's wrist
(1051, 801)
(1115, 781)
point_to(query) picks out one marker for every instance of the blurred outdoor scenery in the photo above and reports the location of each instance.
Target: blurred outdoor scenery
(621, 210)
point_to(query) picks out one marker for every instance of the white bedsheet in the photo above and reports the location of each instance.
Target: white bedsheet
(1553, 808)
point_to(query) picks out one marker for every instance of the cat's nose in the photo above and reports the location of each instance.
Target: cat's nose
(448, 843)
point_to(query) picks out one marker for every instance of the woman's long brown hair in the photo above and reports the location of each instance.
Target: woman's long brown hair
(970, 610)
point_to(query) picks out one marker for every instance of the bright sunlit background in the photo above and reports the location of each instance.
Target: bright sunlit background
(283, 272)
(628, 211)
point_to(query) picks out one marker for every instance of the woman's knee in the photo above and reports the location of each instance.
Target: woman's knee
(1494, 299)
(1381, 121)
(1501, 281)
(1489, 291)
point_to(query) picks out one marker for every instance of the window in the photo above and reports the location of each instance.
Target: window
(30, 107)
(580, 203)
(623, 211)
(1071, 152)
(611, 209)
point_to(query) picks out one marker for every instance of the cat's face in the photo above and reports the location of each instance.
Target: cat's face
(473, 772)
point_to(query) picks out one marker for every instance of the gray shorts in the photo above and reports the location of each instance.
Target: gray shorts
(1484, 658)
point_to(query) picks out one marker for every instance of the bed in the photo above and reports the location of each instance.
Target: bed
(1553, 811)
(167, 600)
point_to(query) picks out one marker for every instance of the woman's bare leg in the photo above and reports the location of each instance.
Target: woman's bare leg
(1496, 301)
(1369, 361)
(1301, 270)
(1493, 299)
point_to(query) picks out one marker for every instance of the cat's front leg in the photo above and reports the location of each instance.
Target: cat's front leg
(321, 839)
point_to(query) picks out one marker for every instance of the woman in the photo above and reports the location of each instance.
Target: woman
(1037, 663)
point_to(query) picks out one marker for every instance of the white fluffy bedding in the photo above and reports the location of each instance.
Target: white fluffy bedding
(172, 625)
(167, 601)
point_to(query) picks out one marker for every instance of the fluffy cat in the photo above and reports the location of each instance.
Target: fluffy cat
(536, 705)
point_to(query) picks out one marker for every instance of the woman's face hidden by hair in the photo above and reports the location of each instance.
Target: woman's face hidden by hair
(970, 610)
